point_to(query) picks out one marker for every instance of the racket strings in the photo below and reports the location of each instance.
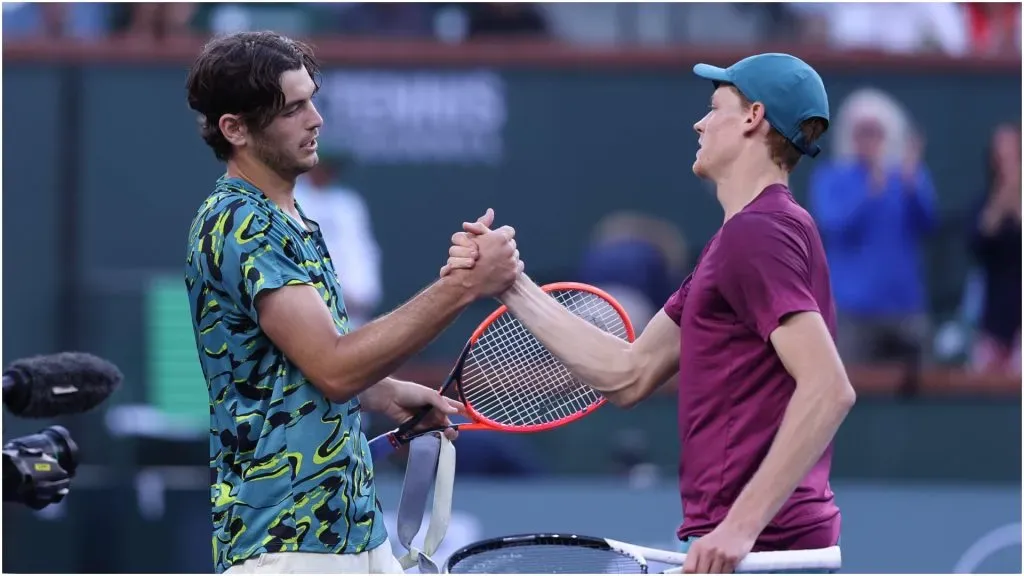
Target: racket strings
(543, 364)
(574, 396)
(528, 365)
(511, 378)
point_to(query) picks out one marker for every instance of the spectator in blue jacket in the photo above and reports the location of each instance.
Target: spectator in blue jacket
(875, 203)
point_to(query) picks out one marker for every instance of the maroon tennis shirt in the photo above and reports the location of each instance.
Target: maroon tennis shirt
(763, 264)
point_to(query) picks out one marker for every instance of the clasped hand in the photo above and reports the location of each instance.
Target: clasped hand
(469, 247)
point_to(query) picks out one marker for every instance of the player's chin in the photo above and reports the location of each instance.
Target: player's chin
(308, 160)
(699, 169)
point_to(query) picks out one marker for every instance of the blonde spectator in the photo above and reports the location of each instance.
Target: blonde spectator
(874, 203)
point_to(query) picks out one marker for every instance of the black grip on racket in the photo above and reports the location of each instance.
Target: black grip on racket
(404, 429)
(404, 432)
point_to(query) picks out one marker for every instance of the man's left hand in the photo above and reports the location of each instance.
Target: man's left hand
(400, 400)
(719, 552)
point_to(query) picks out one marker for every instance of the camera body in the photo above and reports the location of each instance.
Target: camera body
(38, 468)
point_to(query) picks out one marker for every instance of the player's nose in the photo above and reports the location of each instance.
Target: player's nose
(316, 120)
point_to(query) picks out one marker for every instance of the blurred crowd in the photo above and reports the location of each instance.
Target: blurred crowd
(874, 200)
(955, 29)
(876, 207)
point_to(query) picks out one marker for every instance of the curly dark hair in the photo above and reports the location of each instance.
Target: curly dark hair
(241, 74)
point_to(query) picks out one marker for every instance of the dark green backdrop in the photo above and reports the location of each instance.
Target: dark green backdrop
(103, 170)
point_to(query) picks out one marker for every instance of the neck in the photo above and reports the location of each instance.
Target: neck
(280, 190)
(743, 183)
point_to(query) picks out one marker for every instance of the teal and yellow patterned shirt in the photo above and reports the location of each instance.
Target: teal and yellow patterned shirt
(289, 469)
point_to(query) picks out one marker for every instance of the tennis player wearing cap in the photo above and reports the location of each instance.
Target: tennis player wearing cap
(751, 331)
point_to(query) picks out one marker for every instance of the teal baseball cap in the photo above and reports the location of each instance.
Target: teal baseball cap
(789, 88)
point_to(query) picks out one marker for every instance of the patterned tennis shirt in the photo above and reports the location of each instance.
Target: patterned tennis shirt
(289, 469)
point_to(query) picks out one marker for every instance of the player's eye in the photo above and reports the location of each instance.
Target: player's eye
(293, 110)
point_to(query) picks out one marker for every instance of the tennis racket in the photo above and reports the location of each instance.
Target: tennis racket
(510, 382)
(574, 554)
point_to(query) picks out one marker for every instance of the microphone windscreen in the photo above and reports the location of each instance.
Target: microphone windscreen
(65, 383)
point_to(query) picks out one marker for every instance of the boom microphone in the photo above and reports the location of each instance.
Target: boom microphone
(58, 384)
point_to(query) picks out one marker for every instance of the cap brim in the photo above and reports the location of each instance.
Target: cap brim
(713, 73)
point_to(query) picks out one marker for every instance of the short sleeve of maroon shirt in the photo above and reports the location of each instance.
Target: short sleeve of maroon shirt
(764, 273)
(766, 263)
(674, 305)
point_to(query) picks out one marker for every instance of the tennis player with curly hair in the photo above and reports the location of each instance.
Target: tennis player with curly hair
(292, 479)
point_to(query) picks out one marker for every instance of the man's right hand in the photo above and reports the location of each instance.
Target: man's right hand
(495, 264)
(462, 254)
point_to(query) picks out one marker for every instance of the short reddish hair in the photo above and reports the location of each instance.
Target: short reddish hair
(784, 153)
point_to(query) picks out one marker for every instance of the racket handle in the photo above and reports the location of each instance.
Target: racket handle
(388, 443)
(384, 445)
(405, 427)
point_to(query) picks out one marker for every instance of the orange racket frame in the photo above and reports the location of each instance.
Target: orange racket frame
(386, 443)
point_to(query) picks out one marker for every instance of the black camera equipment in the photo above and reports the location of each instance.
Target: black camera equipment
(37, 469)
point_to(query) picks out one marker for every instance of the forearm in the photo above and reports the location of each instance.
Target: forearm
(808, 426)
(600, 359)
(367, 356)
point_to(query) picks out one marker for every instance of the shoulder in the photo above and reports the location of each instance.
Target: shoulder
(758, 231)
(226, 201)
(233, 215)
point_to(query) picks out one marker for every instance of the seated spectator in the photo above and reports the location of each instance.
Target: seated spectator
(153, 21)
(993, 28)
(899, 27)
(874, 203)
(638, 260)
(376, 19)
(81, 20)
(996, 245)
(506, 19)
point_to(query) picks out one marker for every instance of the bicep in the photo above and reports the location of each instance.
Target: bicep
(656, 353)
(298, 322)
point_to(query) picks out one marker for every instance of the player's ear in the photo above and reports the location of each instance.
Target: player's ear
(755, 114)
(233, 128)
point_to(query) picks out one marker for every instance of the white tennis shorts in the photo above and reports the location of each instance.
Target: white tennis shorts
(380, 560)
